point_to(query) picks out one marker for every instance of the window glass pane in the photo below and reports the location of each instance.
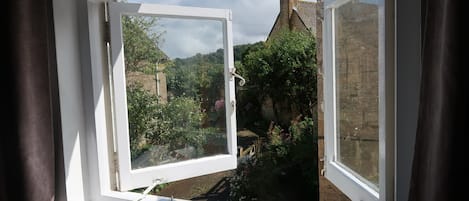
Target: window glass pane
(356, 67)
(175, 89)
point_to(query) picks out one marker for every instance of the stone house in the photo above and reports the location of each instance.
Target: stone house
(295, 15)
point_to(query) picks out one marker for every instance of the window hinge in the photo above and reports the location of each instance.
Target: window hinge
(114, 158)
(322, 172)
(323, 169)
(116, 170)
(322, 159)
(233, 105)
(107, 31)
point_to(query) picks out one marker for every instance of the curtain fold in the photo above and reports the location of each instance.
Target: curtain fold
(31, 158)
(439, 156)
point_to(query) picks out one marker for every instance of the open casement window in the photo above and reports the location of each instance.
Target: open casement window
(173, 113)
(358, 98)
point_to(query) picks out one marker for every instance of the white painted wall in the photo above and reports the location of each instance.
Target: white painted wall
(71, 97)
(80, 58)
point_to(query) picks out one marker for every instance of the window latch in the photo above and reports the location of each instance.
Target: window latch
(149, 188)
(234, 74)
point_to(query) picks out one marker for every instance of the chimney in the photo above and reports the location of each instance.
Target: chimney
(291, 4)
(284, 14)
(286, 9)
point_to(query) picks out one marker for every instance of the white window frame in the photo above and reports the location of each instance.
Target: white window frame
(138, 178)
(349, 182)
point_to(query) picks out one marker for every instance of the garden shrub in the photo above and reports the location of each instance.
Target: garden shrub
(286, 169)
(177, 123)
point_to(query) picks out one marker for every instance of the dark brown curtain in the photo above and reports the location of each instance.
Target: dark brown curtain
(31, 158)
(440, 152)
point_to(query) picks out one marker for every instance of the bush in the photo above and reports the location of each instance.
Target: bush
(177, 123)
(284, 70)
(286, 170)
(142, 109)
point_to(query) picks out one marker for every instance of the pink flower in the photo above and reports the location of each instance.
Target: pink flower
(219, 104)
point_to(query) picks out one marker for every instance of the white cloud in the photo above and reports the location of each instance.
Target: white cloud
(252, 21)
(184, 38)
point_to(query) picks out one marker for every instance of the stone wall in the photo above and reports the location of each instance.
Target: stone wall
(155, 84)
(356, 60)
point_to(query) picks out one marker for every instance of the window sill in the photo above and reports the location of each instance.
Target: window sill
(344, 179)
(130, 196)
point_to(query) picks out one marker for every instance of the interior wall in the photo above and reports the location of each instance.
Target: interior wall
(71, 98)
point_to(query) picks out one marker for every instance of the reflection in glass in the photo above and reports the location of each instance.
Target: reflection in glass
(356, 66)
(175, 89)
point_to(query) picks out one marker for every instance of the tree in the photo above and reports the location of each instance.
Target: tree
(141, 43)
(199, 76)
(284, 70)
(142, 109)
(177, 123)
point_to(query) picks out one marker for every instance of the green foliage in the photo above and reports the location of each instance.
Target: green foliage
(248, 103)
(200, 76)
(177, 123)
(141, 43)
(181, 79)
(241, 50)
(154, 191)
(142, 108)
(182, 117)
(286, 169)
(284, 69)
(201, 73)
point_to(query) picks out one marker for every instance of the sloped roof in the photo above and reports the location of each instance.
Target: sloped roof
(303, 12)
(307, 12)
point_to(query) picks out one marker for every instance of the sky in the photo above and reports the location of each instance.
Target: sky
(252, 21)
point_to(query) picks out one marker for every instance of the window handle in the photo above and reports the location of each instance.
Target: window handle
(149, 188)
(234, 74)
